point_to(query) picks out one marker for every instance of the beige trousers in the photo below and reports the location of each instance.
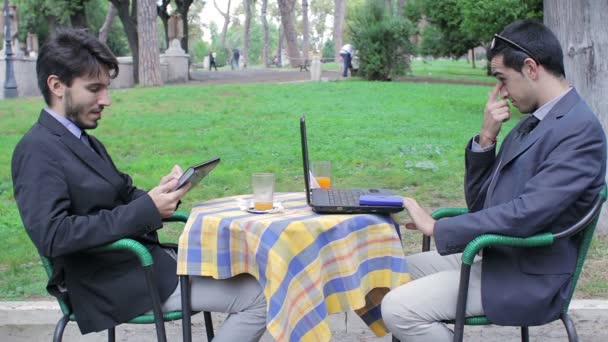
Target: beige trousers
(414, 311)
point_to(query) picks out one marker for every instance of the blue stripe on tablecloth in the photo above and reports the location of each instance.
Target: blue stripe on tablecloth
(193, 252)
(308, 254)
(372, 315)
(314, 317)
(268, 239)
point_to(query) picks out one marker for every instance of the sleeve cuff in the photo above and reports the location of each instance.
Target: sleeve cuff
(475, 147)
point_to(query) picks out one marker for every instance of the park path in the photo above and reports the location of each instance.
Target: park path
(255, 75)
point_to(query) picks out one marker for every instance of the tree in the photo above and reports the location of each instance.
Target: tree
(305, 29)
(104, 31)
(149, 56)
(183, 7)
(286, 7)
(226, 16)
(127, 12)
(584, 54)
(382, 41)
(320, 10)
(162, 9)
(339, 13)
(265, 50)
(445, 15)
(248, 4)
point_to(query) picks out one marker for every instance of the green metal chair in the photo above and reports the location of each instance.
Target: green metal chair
(158, 317)
(585, 227)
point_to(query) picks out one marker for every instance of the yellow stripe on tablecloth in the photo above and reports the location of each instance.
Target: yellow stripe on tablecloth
(335, 250)
(321, 332)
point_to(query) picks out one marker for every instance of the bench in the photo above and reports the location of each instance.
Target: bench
(305, 65)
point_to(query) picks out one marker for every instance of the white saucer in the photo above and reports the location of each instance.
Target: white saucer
(247, 205)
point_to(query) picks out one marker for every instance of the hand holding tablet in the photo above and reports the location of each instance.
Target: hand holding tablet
(195, 173)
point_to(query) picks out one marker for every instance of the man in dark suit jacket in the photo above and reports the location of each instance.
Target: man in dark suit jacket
(71, 197)
(549, 170)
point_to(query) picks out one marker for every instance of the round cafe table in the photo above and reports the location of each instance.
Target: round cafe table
(309, 265)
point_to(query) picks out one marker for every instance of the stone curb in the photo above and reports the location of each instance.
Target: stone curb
(48, 312)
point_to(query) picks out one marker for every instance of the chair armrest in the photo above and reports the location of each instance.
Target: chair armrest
(178, 216)
(142, 253)
(448, 212)
(488, 240)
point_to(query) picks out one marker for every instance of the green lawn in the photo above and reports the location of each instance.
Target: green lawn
(404, 136)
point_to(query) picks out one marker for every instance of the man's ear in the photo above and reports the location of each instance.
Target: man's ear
(530, 68)
(56, 87)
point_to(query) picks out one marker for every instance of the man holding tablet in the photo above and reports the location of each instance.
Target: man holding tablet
(71, 197)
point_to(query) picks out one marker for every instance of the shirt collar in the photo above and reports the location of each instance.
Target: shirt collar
(69, 125)
(541, 112)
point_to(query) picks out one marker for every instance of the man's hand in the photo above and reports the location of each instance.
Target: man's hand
(166, 199)
(175, 173)
(422, 221)
(496, 112)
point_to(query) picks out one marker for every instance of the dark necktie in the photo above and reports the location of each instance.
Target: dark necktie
(524, 129)
(85, 139)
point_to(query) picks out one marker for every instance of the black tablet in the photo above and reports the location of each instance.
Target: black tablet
(195, 173)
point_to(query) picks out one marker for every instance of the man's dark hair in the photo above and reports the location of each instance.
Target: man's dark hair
(72, 53)
(533, 36)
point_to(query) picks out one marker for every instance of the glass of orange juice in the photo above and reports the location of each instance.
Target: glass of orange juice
(321, 170)
(262, 185)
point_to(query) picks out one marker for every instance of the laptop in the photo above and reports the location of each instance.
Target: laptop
(339, 201)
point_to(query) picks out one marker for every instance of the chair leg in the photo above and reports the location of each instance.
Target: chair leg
(156, 305)
(570, 328)
(525, 334)
(461, 304)
(58, 335)
(184, 281)
(426, 243)
(112, 334)
(208, 325)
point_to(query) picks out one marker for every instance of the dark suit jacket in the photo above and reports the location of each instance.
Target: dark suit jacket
(71, 199)
(548, 184)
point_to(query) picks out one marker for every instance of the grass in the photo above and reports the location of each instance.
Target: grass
(404, 136)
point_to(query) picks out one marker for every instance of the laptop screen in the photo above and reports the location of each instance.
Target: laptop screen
(305, 157)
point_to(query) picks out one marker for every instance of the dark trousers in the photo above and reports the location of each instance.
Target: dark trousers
(346, 59)
(212, 65)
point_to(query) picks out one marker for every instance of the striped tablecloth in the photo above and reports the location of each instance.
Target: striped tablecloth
(309, 265)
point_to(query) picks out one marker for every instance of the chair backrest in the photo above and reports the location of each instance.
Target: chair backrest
(48, 267)
(585, 235)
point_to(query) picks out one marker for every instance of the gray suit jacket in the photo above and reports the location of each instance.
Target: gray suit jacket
(70, 199)
(548, 184)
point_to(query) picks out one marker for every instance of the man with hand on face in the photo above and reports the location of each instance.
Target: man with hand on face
(546, 175)
(71, 197)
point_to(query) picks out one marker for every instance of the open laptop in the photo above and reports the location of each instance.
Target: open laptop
(338, 201)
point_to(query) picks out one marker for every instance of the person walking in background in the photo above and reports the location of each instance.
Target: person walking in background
(212, 61)
(347, 53)
(235, 59)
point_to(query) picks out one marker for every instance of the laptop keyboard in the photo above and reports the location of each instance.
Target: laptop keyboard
(344, 197)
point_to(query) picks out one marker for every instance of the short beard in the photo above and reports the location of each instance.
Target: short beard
(72, 112)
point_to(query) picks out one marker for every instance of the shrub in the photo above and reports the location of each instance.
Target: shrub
(381, 40)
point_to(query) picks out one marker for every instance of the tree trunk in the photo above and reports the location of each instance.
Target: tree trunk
(585, 50)
(339, 12)
(107, 23)
(289, 30)
(183, 6)
(226, 16)
(79, 17)
(305, 29)
(266, 38)
(164, 17)
(149, 56)
(246, 32)
(129, 24)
